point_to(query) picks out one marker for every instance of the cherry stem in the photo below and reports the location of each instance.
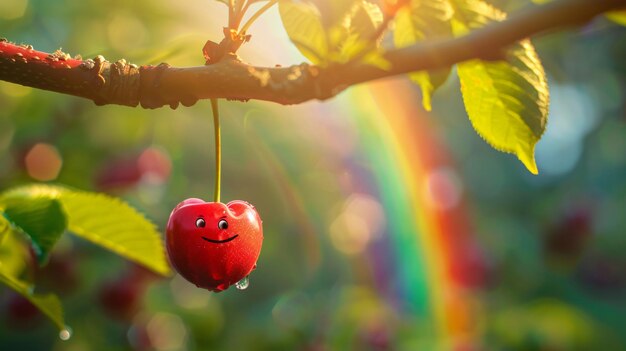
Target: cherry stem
(231, 13)
(256, 15)
(218, 149)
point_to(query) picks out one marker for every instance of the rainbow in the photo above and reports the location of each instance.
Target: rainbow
(429, 234)
(428, 261)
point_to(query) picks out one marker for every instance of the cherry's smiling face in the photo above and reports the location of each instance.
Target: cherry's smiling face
(222, 224)
(214, 245)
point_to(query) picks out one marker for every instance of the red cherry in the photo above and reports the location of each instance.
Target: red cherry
(214, 245)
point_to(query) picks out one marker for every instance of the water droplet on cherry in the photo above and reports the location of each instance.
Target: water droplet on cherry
(243, 284)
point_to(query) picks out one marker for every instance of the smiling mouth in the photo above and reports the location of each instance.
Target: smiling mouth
(220, 241)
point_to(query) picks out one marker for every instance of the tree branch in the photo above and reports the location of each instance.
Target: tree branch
(155, 86)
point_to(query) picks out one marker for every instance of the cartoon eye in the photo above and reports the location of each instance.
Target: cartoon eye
(200, 223)
(222, 224)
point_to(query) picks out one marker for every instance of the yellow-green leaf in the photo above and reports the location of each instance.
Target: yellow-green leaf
(507, 101)
(356, 38)
(423, 20)
(114, 225)
(333, 13)
(304, 27)
(472, 14)
(418, 22)
(617, 17)
(375, 58)
(108, 222)
(48, 304)
(5, 227)
(365, 19)
(14, 254)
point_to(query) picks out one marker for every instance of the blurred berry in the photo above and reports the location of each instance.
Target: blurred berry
(603, 275)
(21, 313)
(471, 268)
(374, 337)
(122, 298)
(567, 238)
(118, 174)
(152, 165)
(58, 275)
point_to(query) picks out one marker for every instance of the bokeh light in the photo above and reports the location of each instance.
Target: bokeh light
(43, 162)
(442, 189)
(167, 332)
(126, 32)
(13, 9)
(360, 221)
(572, 116)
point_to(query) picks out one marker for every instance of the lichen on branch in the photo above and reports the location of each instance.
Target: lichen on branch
(95, 79)
(127, 84)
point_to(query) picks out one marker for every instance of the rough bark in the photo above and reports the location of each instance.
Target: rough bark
(155, 86)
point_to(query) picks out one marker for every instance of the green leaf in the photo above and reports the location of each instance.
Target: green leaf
(48, 304)
(108, 222)
(424, 20)
(507, 102)
(304, 27)
(41, 218)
